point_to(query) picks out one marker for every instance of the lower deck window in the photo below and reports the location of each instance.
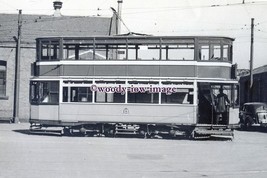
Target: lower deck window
(80, 94)
(143, 97)
(230, 91)
(101, 97)
(44, 92)
(152, 92)
(182, 96)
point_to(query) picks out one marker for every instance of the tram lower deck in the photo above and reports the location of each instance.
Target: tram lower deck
(144, 107)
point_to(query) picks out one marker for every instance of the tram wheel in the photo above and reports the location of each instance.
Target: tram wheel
(248, 123)
(110, 133)
(143, 133)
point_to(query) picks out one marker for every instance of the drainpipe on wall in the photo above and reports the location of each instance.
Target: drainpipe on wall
(15, 118)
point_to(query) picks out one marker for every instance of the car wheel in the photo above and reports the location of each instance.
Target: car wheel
(248, 122)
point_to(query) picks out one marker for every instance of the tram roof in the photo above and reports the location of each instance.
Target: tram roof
(134, 37)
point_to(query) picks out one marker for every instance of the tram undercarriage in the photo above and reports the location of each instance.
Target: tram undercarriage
(141, 130)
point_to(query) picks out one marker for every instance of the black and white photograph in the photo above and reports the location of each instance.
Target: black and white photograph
(133, 88)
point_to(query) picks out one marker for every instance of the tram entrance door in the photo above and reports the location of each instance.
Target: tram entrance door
(206, 104)
(212, 104)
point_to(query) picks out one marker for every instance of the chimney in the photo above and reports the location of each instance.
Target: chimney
(57, 7)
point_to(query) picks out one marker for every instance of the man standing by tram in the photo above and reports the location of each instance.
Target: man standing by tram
(222, 103)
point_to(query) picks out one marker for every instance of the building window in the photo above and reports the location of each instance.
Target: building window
(3, 80)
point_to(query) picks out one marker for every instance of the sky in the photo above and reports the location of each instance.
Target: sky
(231, 18)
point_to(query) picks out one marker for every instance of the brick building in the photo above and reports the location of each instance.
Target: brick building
(34, 26)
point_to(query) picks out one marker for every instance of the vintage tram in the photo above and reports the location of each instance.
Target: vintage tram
(145, 85)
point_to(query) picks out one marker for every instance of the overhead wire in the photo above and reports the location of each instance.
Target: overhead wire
(166, 8)
(49, 18)
(191, 7)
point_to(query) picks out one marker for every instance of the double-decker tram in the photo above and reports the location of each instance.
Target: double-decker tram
(145, 85)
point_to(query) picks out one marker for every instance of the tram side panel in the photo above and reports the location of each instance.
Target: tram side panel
(44, 112)
(233, 116)
(112, 113)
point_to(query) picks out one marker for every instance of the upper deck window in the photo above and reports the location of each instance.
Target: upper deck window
(77, 52)
(178, 52)
(149, 52)
(214, 50)
(49, 50)
(136, 48)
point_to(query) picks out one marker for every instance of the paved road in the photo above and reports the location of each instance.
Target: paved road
(24, 156)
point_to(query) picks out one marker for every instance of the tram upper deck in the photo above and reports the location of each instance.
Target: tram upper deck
(136, 56)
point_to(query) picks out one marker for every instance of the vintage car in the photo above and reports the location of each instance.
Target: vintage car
(253, 114)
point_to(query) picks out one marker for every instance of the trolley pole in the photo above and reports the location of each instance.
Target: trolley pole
(251, 58)
(17, 71)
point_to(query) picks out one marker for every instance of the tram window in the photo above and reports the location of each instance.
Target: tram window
(116, 52)
(204, 52)
(148, 83)
(235, 96)
(49, 50)
(49, 92)
(65, 94)
(122, 53)
(180, 52)
(132, 52)
(77, 52)
(77, 82)
(149, 52)
(34, 93)
(111, 52)
(141, 92)
(102, 97)
(225, 52)
(177, 52)
(85, 52)
(81, 94)
(215, 52)
(143, 97)
(108, 95)
(177, 83)
(100, 52)
(45, 92)
(182, 96)
(69, 52)
(109, 82)
(231, 92)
